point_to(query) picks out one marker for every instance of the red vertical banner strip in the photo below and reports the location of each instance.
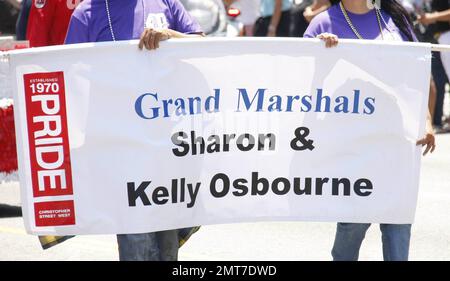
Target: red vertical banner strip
(48, 136)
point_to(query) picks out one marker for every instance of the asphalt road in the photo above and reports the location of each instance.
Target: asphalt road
(257, 241)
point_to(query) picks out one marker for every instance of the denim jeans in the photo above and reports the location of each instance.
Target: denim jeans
(349, 237)
(154, 246)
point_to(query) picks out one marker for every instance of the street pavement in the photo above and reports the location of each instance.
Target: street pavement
(259, 241)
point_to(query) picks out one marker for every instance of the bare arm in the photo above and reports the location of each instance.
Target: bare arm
(275, 19)
(430, 18)
(428, 141)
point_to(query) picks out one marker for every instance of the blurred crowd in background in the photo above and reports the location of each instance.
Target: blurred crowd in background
(44, 23)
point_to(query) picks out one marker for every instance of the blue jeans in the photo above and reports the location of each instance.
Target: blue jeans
(349, 237)
(154, 246)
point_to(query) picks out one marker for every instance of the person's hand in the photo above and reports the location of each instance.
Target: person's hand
(427, 18)
(331, 40)
(150, 38)
(428, 141)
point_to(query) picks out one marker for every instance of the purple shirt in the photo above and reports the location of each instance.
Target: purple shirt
(89, 22)
(333, 21)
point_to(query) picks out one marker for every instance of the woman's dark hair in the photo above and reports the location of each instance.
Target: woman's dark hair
(399, 15)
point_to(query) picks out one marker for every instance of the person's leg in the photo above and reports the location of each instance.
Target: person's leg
(298, 22)
(395, 239)
(168, 245)
(284, 26)
(138, 247)
(261, 27)
(440, 79)
(445, 56)
(348, 240)
(248, 30)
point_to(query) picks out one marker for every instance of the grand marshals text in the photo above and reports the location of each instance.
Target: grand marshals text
(150, 106)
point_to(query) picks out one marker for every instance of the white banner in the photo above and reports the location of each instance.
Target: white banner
(117, 140)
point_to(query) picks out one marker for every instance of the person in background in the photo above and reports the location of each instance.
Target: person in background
(9, 11)
(48, 21)
(298, 21)
(436, 21)
(151, 21)
(14, 3)
(250, 12)
(22, 21)
(317, 7)
(275, 20)
(303, 13)
(355, 19)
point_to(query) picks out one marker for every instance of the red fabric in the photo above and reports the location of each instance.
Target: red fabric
(48, 25)
(8, 153)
